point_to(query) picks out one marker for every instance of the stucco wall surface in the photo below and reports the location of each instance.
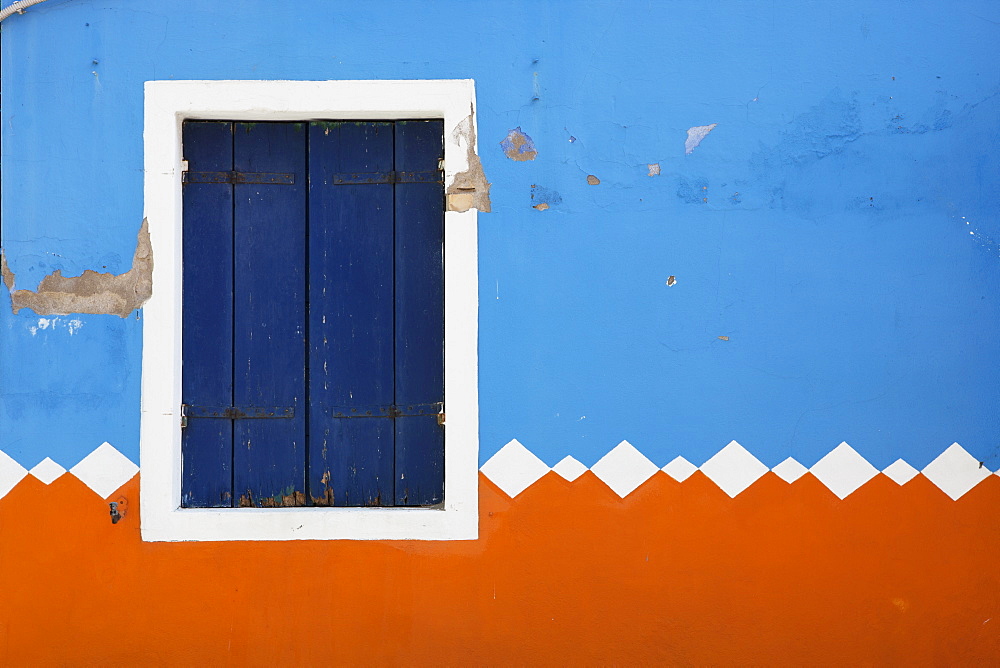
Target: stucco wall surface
(754, 245)
(835, 225)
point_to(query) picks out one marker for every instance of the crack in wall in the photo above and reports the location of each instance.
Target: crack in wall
(469, 189)
(91, 292)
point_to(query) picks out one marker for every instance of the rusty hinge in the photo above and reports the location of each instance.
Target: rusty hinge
(385, 410)
(235, 178)
(236, 412)
(365, 178)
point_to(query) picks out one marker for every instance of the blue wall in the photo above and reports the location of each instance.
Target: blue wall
(838, 225)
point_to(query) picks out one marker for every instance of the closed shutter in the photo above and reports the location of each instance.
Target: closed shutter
(313, 314)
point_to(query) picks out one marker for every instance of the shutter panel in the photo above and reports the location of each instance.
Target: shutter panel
(419, 329)
(351, 306)
(207, 445)
(269, 312)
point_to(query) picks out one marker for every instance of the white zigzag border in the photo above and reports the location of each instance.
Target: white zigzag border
(104, 470)
(514, 468)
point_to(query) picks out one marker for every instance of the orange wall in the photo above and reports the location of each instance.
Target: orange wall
(566, 573)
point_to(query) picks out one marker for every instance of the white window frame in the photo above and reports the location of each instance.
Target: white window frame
(167, 105)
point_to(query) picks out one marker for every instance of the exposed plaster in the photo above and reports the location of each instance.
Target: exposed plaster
(469, 189)
(695, 135)
(518, 146)
(8, 275)
(654, 168)
(91, 292)
(593, 180)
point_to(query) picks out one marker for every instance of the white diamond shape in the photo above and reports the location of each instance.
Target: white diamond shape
(733, 469)
(790, 470)
(843, 470)
(47, 471)
(104, 470)
(514, 468)
(624, 468)
(569, 468)
(955, 471)
(900, 472)
(680, 469)
(11, 473)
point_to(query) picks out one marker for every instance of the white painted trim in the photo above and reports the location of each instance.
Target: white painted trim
(167, 105)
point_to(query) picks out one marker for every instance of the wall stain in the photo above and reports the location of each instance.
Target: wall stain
(542, 198)
(91, 292)
(469, 189)
(518, 146)
(693, 190)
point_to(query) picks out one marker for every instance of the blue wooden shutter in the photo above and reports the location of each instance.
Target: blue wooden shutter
(377, 313)
(244, 314)
(313, 324)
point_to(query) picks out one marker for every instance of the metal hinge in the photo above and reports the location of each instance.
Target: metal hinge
(236, 412)
(236, 178)
(385, 411)
(391, 178)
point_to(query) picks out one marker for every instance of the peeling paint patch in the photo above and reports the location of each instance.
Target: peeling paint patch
(979, 237)
(518, 146)
(723, 338)
(671, 281)
(541, 195)
(695, 135)
(8, 275)
(91, 292)
(469, 189)
(654, 169)
(593, 180)
(71, 326)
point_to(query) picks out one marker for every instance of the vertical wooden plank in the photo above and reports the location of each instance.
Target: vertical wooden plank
(207, 337)
(351, 323)
(270, 314)
(419, 338)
